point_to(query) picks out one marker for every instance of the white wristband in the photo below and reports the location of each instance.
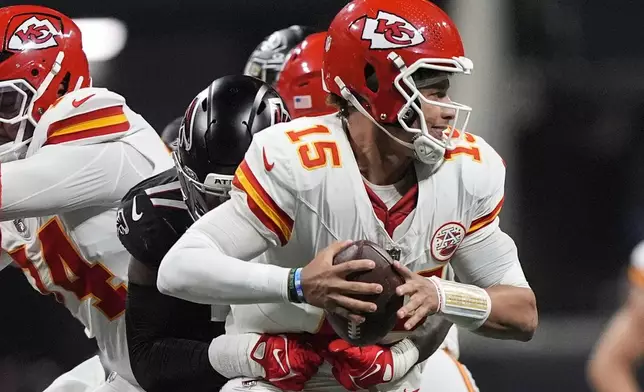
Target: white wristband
(465, 305)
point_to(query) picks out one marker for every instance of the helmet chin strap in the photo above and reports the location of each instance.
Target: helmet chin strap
(55, 69)
(425, 149)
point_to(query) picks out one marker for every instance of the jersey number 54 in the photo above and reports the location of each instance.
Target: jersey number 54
(62, 258)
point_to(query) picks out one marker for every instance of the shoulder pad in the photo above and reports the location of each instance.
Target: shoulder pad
(86, 116)
(482, 176)
(282, 162)
(482, 168)
(299, 153)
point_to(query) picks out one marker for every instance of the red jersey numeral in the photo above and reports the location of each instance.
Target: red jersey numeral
(72, 272)
(316, 154)
(470, 148)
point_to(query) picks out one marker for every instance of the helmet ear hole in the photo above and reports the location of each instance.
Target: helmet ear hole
(64, 85)
(371, 80)
(5, 55)
(204, 105)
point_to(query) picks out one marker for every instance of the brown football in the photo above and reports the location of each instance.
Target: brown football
(381, 322)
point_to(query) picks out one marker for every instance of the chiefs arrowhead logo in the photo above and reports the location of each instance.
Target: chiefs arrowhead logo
(34, 33)
(389, 31)
(446, 241)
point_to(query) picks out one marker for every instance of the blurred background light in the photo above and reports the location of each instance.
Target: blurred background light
(103, 38)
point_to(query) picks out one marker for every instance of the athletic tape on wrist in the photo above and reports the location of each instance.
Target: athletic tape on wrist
(405, 356)
(465, 305)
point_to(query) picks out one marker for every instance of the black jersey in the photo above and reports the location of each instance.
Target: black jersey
(168, 338)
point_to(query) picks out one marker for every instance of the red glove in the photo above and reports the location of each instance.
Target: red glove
(360, 367)
(288, 361)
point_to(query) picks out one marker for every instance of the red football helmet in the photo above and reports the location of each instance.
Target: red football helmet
(41, 50)
(300, 81)
(372, 51)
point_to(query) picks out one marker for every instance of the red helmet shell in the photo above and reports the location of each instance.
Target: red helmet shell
(365, 32)
(300, 81)
(41, 47)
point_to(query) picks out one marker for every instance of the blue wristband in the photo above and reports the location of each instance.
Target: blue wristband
(298, 285)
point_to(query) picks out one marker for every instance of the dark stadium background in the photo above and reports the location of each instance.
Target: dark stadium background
(565, 107)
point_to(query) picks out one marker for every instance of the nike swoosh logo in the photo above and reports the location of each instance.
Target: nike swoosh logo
(135, 215)
(77, 103)
(376, 370)
(267, 166)
(286, 369)
(276, 355)
(374, 365)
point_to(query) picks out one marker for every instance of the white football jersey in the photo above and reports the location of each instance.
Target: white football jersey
(301, 188)
(60, 224)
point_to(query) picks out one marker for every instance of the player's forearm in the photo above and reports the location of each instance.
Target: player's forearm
(513, 314)
(196, 270)
(160, 361)
(175, 364)
(59, 179)
(612, 364)
(612, 375)
(429, 336)
(28, 191)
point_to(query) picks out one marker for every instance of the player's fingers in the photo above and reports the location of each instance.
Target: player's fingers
(410, 307)
(354, 266)
(336, 247)
(348, 287)
(353, 305)
(408, 288)
(348, 315)
(356, 318)
(404, 271)
(417, 317)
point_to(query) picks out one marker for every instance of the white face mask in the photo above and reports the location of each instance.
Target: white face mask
(16, 149)
(16, 103)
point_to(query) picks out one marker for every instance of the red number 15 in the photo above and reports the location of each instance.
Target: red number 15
(316, 154)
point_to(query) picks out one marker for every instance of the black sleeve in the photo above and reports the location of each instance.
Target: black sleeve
(149, 221)
(167, 338)
(168, 342)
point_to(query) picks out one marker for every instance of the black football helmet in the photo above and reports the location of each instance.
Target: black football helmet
(267, 59)
(215, 133)
(170, 133)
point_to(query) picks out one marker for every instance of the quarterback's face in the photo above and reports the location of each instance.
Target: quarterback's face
(437, 118)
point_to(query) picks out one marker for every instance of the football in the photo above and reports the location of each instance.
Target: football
(381, 322)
